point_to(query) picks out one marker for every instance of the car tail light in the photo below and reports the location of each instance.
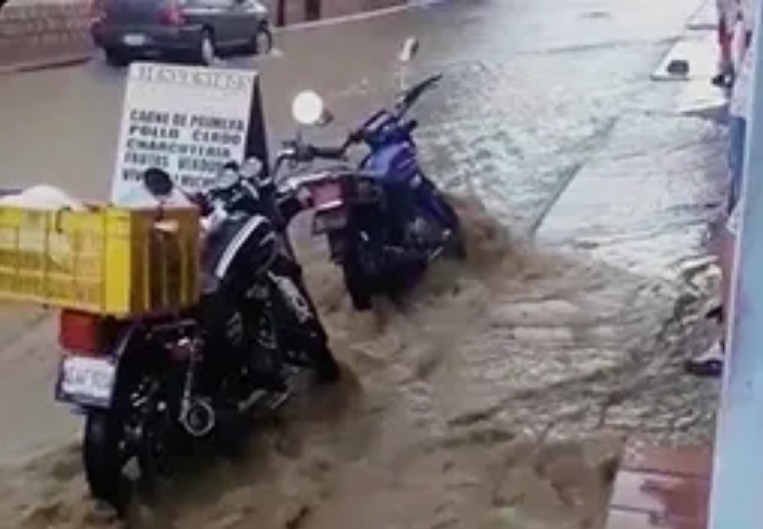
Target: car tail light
(80, 333)
(173, 15)
(97, 11)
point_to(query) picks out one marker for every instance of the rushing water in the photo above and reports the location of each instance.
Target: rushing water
(500, 395)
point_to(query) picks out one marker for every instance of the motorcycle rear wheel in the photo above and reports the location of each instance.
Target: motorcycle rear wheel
(103, 458)
(107, 447)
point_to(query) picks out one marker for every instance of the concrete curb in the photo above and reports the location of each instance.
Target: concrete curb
(696, 45)
(696, 96)
(44, 64)
(697, 49)
(356, 17)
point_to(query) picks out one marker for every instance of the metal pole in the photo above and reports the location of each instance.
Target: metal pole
(736, 499)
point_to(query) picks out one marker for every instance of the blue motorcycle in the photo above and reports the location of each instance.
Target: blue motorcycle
(384, 219)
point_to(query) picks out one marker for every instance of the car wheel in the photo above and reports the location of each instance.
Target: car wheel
(262, 41)
(207, 50)
(116, 58)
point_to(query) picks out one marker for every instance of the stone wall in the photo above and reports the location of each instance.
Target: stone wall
(31, 31)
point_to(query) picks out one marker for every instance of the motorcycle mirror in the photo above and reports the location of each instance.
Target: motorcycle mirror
(307, 109)
(228, 176)
(158, 182)
(251, 168)
(409, 50)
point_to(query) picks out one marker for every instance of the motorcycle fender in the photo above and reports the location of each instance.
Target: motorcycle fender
(124, 343)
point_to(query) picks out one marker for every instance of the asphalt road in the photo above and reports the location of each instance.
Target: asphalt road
(533, 89)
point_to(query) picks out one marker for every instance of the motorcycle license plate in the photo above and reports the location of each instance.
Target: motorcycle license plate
(86, 381)
(330, 220)
(327, 195)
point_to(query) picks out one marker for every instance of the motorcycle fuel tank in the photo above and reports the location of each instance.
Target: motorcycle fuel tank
(396, 163)
(239, 250)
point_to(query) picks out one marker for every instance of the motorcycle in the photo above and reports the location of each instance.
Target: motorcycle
(168, 381)
(384, 219)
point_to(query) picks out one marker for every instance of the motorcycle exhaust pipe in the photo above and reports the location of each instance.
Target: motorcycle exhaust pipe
(199, 418)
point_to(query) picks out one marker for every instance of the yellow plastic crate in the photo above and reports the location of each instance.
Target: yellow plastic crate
(108, 261)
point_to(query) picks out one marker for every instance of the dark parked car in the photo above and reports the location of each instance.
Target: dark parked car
(198, 30)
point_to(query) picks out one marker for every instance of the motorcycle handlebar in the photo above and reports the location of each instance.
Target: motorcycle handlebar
(328, 153)
(412, 95)
(303, 153)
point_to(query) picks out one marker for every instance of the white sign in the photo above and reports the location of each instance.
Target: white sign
(186, 120)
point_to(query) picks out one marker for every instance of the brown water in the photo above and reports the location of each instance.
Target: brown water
(499, 397)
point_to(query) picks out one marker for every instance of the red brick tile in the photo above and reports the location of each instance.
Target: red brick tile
(619, 519)
(660, 494)
(685, 460)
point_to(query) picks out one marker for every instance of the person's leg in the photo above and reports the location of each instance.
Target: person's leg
(724, 77)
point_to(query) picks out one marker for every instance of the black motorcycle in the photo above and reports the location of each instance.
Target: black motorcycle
(176, 379)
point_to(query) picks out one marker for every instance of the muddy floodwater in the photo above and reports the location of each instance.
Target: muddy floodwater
(500, 396)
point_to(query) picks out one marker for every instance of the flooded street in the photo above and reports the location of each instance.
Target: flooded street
(502, 394)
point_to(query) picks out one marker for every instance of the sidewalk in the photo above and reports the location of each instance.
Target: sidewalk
(662, 488)
(671, 181)
(295, 12)
(659, 229)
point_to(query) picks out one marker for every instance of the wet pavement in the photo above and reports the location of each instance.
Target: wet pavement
(509, 122)
(500, 395)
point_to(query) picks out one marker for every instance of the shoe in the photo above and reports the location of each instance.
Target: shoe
(723, 80)
(708, 364)
(715, 313)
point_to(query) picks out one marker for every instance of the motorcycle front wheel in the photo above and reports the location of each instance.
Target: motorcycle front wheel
(357, 285)
(325, 365)
(455, 245)
(446, 218)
